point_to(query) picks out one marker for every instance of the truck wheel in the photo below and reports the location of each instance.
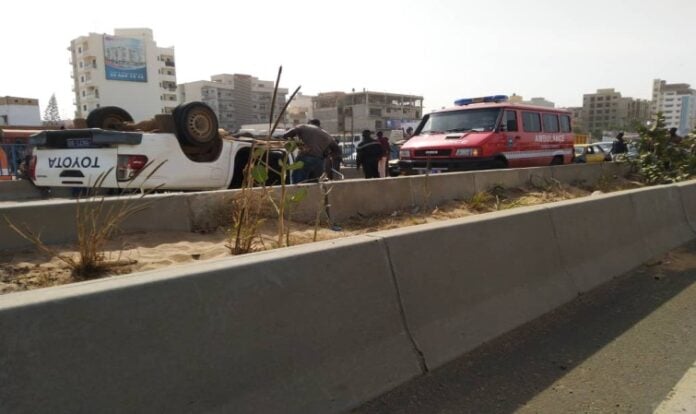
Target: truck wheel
(108, 117)
(196, 124)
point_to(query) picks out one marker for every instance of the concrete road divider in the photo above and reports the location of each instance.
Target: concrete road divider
(469, 280)
(687, 192)
(309, 329)
(599, 238)
(660, 215)
(577, 173)
(54, 220)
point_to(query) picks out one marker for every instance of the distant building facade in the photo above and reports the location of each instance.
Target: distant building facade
(606, 109)
(236, 99)
(538, 101)
(341, 112)
(300, 110)
(126, 69)
(677, 102)
(576, 120)
(19, 111)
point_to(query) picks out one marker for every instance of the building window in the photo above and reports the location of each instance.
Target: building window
(84, 108)
(82, 79)
(80, 64)
(83, 94)
(79, 50)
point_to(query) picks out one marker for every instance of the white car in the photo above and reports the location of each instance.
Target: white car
(193, 156)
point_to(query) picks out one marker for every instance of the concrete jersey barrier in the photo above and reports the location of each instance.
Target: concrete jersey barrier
(314, 328)
(492, 274)
(321, 327)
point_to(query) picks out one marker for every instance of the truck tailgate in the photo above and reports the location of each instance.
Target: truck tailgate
(76, 158)
(75, 167)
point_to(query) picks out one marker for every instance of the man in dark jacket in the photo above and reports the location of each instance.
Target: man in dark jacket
(369, 152)
(618, 146)
(314, 148)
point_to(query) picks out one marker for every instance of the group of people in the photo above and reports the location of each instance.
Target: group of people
(320, 153)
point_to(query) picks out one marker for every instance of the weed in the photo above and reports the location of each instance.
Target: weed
(96, 222)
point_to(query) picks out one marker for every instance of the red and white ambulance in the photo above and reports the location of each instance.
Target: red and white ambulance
(488, 132)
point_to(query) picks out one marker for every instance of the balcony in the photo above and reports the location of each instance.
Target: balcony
(169, 63)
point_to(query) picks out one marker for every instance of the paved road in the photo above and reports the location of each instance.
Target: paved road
(627, 347)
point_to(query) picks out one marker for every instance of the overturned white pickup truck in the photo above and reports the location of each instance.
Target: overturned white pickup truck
(193, 153)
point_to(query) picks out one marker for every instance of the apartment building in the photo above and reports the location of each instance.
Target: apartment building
(606, 109)
(237, 99)
(341, 112)
(126, 69)
(677, 103)
(19, 111)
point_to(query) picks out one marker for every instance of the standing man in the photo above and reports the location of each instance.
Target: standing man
(369, 152)
(384, 141)
(618, 147)
(315, 145)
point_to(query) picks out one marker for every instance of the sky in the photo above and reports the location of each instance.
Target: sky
(440, 49)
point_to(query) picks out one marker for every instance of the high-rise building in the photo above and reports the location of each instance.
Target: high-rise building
(19, 111)
(236, 99)
(126, 69)
(341, 112)
(677, 103)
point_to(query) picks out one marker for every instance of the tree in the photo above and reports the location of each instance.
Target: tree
(51, 115)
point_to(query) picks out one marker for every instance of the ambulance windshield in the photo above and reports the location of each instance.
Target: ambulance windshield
(479, 120)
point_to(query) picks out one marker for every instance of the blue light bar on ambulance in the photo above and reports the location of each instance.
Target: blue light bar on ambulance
(483, 99)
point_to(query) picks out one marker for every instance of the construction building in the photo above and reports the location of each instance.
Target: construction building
(341, 112)
(125, 69)
(236, 99)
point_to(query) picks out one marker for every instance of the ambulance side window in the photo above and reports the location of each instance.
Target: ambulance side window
(550, 123)
(531, 121)
(565, 123)
(510, 121)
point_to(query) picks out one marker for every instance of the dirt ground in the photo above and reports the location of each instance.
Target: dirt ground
(30, 269)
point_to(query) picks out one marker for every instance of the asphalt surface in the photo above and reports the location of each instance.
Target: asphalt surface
(628, 346)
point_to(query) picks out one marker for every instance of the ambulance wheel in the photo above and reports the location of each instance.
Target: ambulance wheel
(499, 164)
(557, 160)
(108, 117)
(196, 124)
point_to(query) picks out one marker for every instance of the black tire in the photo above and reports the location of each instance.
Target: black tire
(557, 160)
(499, 164)
(196, 124)
(108, 117)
